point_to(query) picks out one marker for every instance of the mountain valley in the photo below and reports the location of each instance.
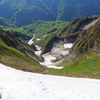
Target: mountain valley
(64, 48)
(64, 32)
(49, 50)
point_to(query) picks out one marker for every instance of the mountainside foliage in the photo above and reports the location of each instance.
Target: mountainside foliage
(40, 28)
(4, 23)
(25, 12)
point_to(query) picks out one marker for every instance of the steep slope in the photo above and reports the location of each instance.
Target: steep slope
(83, 59)
(17, 54)
(47, 10)
(70, 33)
(87, 42)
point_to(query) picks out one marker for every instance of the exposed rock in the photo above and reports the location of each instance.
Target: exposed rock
(71, 33)
(60, 56)
(50, 44)
(0, 96)
(32, 55)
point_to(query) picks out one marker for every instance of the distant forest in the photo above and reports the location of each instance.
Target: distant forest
(24, 12)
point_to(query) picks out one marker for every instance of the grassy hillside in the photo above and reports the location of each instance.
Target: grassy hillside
(87, 66)
(12, 53)
(41, 28)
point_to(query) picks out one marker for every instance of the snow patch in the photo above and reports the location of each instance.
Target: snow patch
(38, 39)
(61, 49)
(39, 50)
(19, 85)
(47, 61)
(30, 42)
(68, 45)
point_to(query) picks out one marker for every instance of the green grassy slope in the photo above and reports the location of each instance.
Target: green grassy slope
(87, 66)
(9, 55)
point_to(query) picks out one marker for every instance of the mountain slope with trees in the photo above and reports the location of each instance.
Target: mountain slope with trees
(25, 12)
(40, 28)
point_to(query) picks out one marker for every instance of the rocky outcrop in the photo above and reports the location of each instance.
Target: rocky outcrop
(32, 55)
(55, 40)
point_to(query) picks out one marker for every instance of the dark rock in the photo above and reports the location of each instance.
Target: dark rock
(60, 56)
(0, 96)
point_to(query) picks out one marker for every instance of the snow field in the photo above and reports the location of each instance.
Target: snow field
(47, 61)
(19, 85)
(48, 57)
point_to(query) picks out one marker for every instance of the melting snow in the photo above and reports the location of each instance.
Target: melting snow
(19, 85)
(38, 52)
(30, 42)
(68, 45)
(47, 61)
(48, 57)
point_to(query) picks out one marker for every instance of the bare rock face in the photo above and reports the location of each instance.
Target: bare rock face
(32, 55)
(53, 42)
(56, 49)
(60, 56)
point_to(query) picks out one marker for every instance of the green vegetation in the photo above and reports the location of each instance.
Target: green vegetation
(40, 28)
(87, 49)
(4, 23)
(83, 59)
(87, 66)
(26, 12)
(14, 58)
(48, 28)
